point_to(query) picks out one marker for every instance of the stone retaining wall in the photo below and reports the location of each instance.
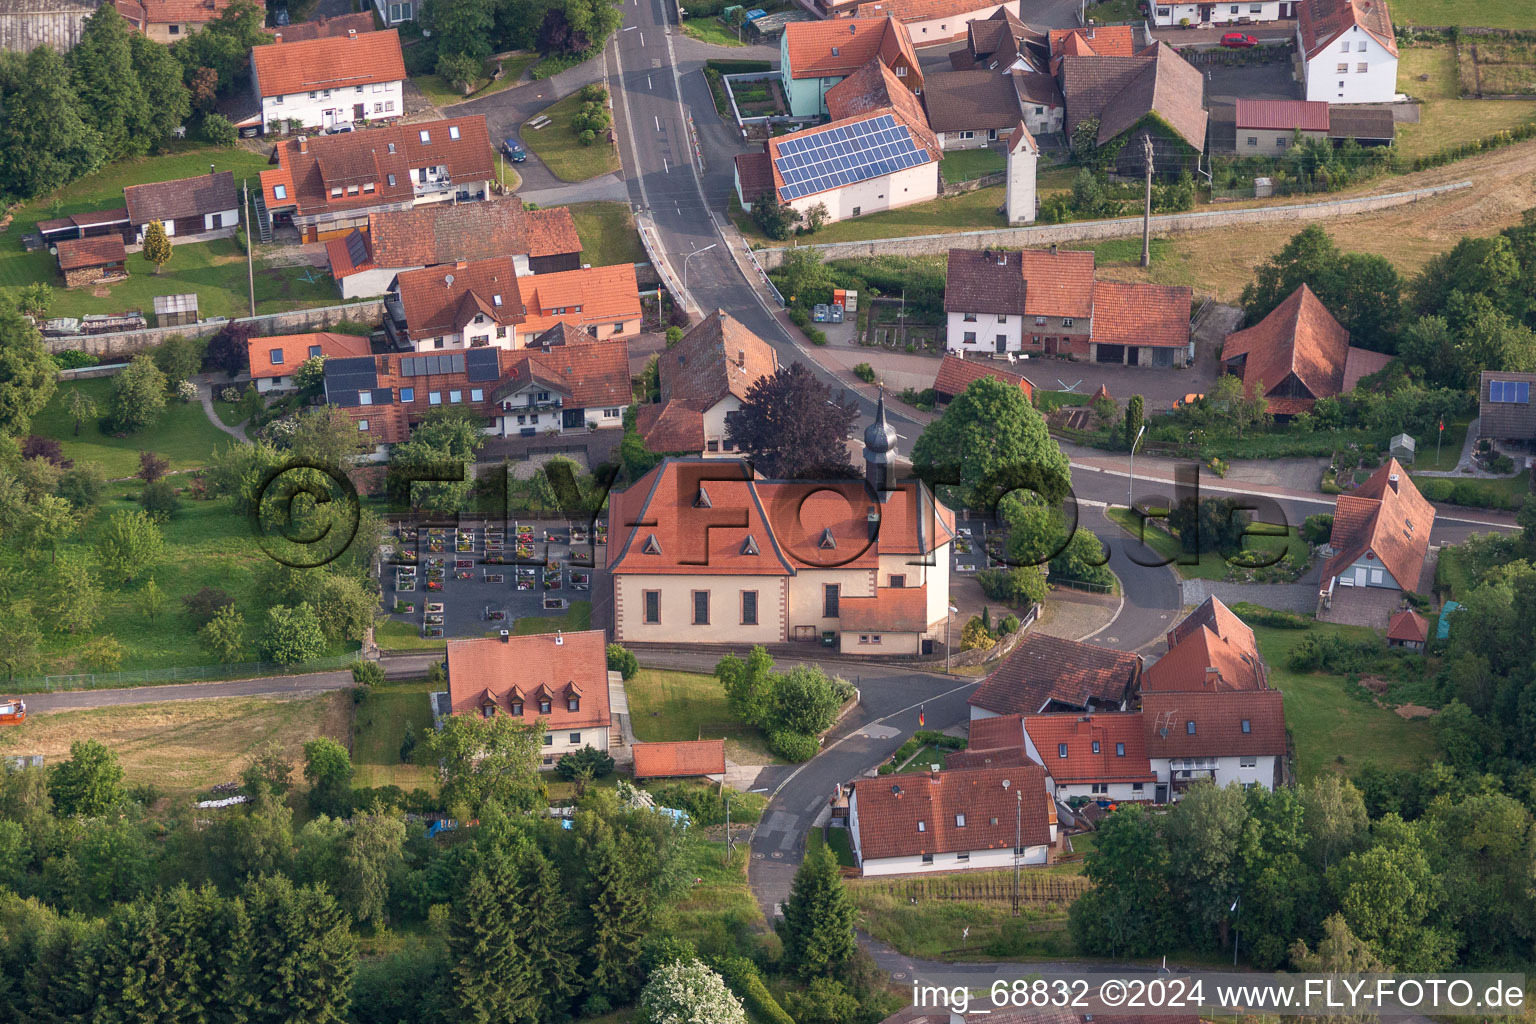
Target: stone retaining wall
(1119, 227)
(297, 321)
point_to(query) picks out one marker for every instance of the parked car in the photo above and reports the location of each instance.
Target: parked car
(1188, 400)
(1238, 40)
(516, 153)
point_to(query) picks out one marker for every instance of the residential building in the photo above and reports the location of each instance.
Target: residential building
(1347, 49)
(1380, 534)
(28, 24)
(969, 109)
(563, 390)
(1504, 410)
(86, 261)
(603, 301)
(972, 819)
(816, 55)
(956, 373)
(1408, 629)
(1296, 355)
(274, 358)
(1046, 674)
(1269, 127)
(1222, 737)
(1101, 757)
(933, 21)
(685, 759)
(367, 259)
(328, 185)
(329, 82)
(1047, 302)
(466, 305)
(1154, 94)
(1041, 104)
(557, 680)
(998, 42)
(190, 209)
(170, 21)
(705, 551)
(877, 153)
(1089, 41)
(394, 12)
(1245, 12)
(998, 740)
(324, 28)
(704, 379)
(1210, 651)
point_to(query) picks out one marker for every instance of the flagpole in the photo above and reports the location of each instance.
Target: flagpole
(1439, 435)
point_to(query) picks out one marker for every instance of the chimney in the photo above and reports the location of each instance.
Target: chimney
(277, 36)
(853, 29)
(460, 265)
(352, 33)
(741, 357)
(933, 773)
(1392, 479)
(506, 636)
(303, 143)
(1212, 675)
(1090, 28)
(559, 639)
(1053, 248)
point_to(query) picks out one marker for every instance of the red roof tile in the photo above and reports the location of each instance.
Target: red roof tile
(675, 760)
(910, 11)
(1044, 669)
(1212, 649)
(1103, 41)
(1120, 739)
(330, 62)
(674, 427)
(1323, 21)
(317, 28)
(918, 813)
(996, 733)
(874, 87)
(840, 46)
(1141, 314)
(718, 357)
(295, 348)
(438, 233)
(910, 115)
(891, 610)
(1218, 719)
(184, 12)
(955, 375)
(1299, 337)
(594, 376)
(440, 300)
(1057, 283)
(558, 666)
(591, 295)
(75, 253)
(1283, 115)
(755, 172)
(1409, 626)
(1385, 519)
(980, 281)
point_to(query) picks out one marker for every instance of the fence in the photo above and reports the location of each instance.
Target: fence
(955, 188)
(294, 321)
(1072, 584)
(181, 674)
(1033, 888)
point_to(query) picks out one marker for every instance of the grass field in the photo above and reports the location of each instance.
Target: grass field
(688, 706)
(967, 164)
(935, 929)
(1496, 66)
(576, 618)
(1483, 13)
(712, 30)
(185, 746)
(378, 726)
(394, 635)
(719, 912)
(562, 152)
(184, 434)
(608, 234)
(1212, 566)
(441, 94)
(838, 840)
(970, 211)
(1334, 728)
(1444, 119)
(1450, 447)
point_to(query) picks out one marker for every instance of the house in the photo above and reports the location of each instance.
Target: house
(1040, 100)
(562, 390)
(1245, 12)
(367, 259)
(85, 261)
(956, 373)
(1048, 674)
(273, 359)
(969, 109)
(1408, 629)
(1153, 94)
(998, 42)
(466, 305)
(1296, 355)
(1268, 127)
(603, 301)
(329, 82)
(1097, 756)
(705, 551)
(190, 209)
(1047, 302)
(686, 759)
(394, 12)
(28, 24)
(328, 185)
(558, 681)
(1380, 534)
(1089, 41)
(1210, 651)
(704, 379)
(1222, 737)
(876, 154)
(170, 21)
(1348, 50)
(933, 21)
(816, 55)
(325, 28)
(970, 819)
(1504, 407)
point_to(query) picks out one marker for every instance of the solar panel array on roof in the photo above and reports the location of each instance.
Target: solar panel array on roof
(357, 248)
(481, 364)
(354, 373)
(845, 154)
(420, 366)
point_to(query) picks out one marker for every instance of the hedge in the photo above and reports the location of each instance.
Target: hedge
(794, 746)
(1255, 614)
(738, 67)
(1472, 493)
(706, 806)
(742, 976)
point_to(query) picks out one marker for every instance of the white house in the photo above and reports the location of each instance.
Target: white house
(1221, 737)
(189, 209)
(1096, 756)
(273, 358)
(1348, 50)
(1380, 534)
(933, 21)
(571, 388)
(394, 12)
(969, 819)
(1245, 12)
(329, 83)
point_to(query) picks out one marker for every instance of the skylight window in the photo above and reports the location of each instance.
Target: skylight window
(426, 136)
(453, 131)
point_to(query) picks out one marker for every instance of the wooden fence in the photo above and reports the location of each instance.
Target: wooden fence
(1033, 888)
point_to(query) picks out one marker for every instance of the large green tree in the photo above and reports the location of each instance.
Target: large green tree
(167, 101)
(434, 469)
(292, 953)
(26, 372)
(488, 760)
(111, 99)
(44, 142)
(1390, 896)
(128, 544)
(490, 968)
(1363, 292)
(90, 782)
(818, 918)
(988, 442)
(620, 918)
(1127, 912)
(138, 395)
(1204, 832)
(461, 26)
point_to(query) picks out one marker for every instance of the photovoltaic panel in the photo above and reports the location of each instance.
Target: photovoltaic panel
(481, 365)
(421, 366)
(844, 155)
(350, 374)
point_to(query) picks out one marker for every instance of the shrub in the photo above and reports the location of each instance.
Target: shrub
(1254, 614)
(1009, 624)
(658, 950)
(1330, 652)
(622, 661)
(218, 130)
(159, 499)
(1419, 601)
(576, 762)
(706, 805)
(1318, 528)
(742, 976)
(794, 746)
(975, 636)
(816, 336)
(865, 373)
(367, 673)
(73, 360)
(205, 604)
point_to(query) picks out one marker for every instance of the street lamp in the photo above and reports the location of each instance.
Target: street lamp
(1234, 929)
(948, 622)
(1130, 495)
(690, 256)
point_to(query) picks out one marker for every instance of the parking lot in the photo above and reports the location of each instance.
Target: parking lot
(475, 578)
(1227, 83)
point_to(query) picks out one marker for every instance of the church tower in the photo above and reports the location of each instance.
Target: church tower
(880, 450)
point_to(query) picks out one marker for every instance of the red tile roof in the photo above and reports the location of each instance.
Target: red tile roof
(591, 295)
(1121, 91)
(910, 11)
(675, 760)
(595, 376)
(185, 12)
(75, 253)
(440, 300)
(1043, 669)
(1362, 362)
(1385, 519)
(955, 375)
(996, 733)
(1106, 41)
(718, 357)
(1079, 734)
(1213, 614)
(890, 610)
(1298, 337)
(910, 815)
(840, 46)
(1141, 314)
(674, 427)
(318, 28)
(1409, 626)
(1057, 283)
(525, 668)
(1218, 719)
(295, 348)
(438, 233)
(329, 62)
(875, 88)
(1210, 650)
(755, 172)
(1323, 21)
(1283, 115)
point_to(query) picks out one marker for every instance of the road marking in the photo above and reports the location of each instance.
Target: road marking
(658, 123)
(629, 121)
(666, 168)
(648, 83)
(642, 38)
(631, 28)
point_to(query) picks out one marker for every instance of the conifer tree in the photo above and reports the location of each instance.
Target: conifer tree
(548, 937)
(620, 921)
(818, 918)
(489, 964)
(298, 957)
(110, 97)
(44, 143)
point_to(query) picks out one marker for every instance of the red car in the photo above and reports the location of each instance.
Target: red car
(1238, 40)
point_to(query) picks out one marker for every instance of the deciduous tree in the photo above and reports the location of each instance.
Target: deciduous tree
(81, 407)
(223, 635)
(44, 143)
(89, 783)
(292, 634)
(488, 760)
(128, 544)
(26, 372)
(988, 442)
(790, 426)
(1127, 912)
(138, 395)
(683, 992)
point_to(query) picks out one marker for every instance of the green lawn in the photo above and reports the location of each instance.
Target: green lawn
(1109, 12)
(1444, 119)
(966, 164)
(378, 728)
(1449, 446)
(608, 234)
(937, 928)
(395, 635)
(441, 94)
(184, 434)
(719, 912)
(712, 30)
(1482, 13)
(229, 413)
(689, 706)
(970, 211)
(562, 152)
(1212, 566)
(576, 618)
(925, 758)
(837, 839)
(1334, 727)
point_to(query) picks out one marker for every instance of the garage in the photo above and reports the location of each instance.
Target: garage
(1109, 353)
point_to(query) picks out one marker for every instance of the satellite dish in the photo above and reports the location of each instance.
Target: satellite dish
(1006, 783)
(448, 279)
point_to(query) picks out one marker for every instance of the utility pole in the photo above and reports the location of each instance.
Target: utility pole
(1018, 841)
(1130, 490)
(730, 844)
(250, 266)
(1146, 217)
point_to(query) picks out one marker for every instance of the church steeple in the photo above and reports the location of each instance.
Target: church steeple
(880, 450)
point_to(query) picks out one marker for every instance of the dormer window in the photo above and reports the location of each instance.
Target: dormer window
(544, 705)
(1247, 725)
(827, 541)
(701, 500)
(1119, 749)
(652, 546)
(749, 546)
(517, 708)
(959, 821)
(488, 710)
(573, 703)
